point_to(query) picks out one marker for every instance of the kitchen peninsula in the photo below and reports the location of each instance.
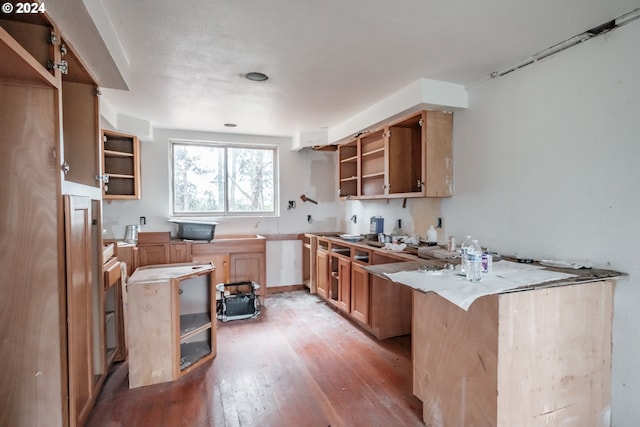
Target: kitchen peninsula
(527, 356)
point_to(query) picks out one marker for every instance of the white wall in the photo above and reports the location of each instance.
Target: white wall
(547, 166)
(306, 172)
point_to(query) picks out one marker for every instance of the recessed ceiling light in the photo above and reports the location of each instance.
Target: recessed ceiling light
(256, 77)
(230, 125)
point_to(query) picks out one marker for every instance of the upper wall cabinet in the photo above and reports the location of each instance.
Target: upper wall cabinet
(121, 155)
(411, 157)
(26, 49)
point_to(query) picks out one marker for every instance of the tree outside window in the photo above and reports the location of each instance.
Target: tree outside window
(223, 179)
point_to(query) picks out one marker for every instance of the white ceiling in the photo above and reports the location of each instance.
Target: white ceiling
(327, 60)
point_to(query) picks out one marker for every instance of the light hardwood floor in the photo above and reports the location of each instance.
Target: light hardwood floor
(299, 364)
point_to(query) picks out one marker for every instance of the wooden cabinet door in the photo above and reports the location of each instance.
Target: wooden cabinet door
(153, 254)
(179, 253)
(359, 293)
(344, 284)
(249, 267)
(79, 314)
(220, 262)
(322, 275)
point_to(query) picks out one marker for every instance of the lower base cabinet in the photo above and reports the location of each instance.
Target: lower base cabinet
(171, 321)
(359, 293)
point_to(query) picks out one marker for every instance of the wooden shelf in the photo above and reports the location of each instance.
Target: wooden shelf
(352, 159)
(121, 161)
(373, 152)
(193, 352)
(111, 153)
(193, 324)
(373, 175)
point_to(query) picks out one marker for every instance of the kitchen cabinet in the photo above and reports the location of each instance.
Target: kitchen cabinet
(179, 252)
(220, 262)
(243, 258)
(309, 247)
(410, 157)
(111, 300)
(152, 248)
(360, 289)
(49, 158)
(121, 159)
(79, 303)
(248, 267)
(541, 356)
(340, 281)
(374, 164)
(172, 321)
(348, 169)
(153, 254)
(380, 306)
(322, 269)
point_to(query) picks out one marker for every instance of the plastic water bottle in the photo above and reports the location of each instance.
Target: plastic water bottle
(474, 262)
(463, 254)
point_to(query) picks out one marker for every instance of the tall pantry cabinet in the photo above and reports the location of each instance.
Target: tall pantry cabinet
(52, 356)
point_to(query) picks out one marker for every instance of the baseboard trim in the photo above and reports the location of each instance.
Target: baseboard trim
(287, 288)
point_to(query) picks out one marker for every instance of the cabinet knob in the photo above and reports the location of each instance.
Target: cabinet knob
(180, 291)
(65, 168)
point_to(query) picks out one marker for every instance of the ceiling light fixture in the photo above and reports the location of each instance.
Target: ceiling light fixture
(256, 76)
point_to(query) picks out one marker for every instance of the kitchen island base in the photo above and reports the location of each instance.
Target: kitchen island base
(530, 358)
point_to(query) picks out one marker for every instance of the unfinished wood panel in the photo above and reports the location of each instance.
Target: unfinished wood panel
(555, 356)
(149, 316)
(439, 154)
(455, 360)
(390, 311)
(32, 307)
(530, 358)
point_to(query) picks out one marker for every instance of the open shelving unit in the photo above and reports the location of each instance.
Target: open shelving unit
(121, 159)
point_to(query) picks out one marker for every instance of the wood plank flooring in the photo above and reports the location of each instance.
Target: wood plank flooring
(299, 364)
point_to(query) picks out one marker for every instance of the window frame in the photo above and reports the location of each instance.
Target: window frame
(226, 213)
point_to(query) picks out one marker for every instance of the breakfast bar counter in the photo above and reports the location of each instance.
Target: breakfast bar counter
(539, 354)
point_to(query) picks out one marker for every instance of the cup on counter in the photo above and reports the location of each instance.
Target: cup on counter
(451, 245)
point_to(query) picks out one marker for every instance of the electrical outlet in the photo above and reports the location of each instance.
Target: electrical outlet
(143, 220)
(292, 204)
(439, 223)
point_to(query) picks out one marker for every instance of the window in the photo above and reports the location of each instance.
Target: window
(217, 179)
